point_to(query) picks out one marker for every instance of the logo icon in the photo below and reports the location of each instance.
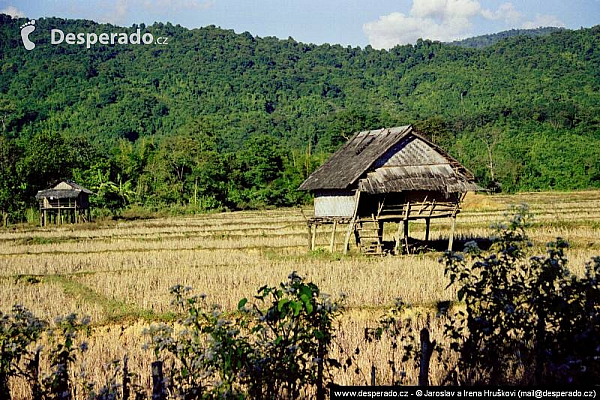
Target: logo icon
(26, 29)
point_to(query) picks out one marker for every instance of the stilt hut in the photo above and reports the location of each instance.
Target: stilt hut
(65, 202)
(386, 175)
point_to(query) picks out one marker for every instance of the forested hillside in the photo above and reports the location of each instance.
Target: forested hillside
(488, 40)
(218, 119)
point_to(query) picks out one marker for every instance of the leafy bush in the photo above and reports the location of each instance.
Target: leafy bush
(277, 347)
(18, 330)
(527, 319)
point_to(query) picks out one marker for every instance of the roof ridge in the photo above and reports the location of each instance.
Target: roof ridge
(359, 161)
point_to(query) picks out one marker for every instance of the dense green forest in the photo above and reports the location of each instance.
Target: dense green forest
(215, 119)
(482, 41)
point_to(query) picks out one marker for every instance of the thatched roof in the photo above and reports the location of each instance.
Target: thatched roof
(58, 194)
(391, 160)
(63, 190)
(78, 187)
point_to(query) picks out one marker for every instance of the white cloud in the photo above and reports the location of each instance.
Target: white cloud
(443, 20)
(114, 12)
(444, 9)
(397, 28)
(543, 21)
(430, 19)
(13, 12)
(506, 12)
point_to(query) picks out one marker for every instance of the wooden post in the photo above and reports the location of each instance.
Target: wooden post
(309, 226)
(406, 236)
(348, 233)
(373, 375)
(321, 370)
(125, 379)
(352, 222)
(426, 351)
(358, 228)
(314, 237)
(452, 227)
(398, 238)
(427, 223)
(380, 236)
(158, 388)
(332, 242)
(34, 369)
(406, 215)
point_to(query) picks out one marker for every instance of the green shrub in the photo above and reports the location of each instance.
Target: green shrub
(277, 347)
(528, 320)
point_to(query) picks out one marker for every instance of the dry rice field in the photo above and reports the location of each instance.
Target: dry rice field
(119, 272)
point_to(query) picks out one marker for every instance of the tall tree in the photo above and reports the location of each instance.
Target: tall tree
(47, 158)
(10, 199)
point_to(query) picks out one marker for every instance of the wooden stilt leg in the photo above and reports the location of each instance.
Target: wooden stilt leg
(398, 237)
(352, 222)
(309, 226)
(380, 237)
(332, 242)
(406, 237)
(348, 233)
(314, 237)
(452, 228)
(427, 223)
(358, 228)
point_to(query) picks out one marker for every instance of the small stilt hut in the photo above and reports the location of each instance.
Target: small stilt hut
(386, 175)
(65, 202)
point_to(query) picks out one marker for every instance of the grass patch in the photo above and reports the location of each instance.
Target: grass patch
(116, 311)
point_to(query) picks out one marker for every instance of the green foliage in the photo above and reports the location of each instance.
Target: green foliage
(223, 120)
(399, 332)
(47, 156)
(527, 319)
(18, 331)
(488, 40)
(275, 352)
(63, 352)
(10, 201)
(295, 335)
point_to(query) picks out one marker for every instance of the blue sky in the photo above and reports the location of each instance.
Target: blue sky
(381, 23)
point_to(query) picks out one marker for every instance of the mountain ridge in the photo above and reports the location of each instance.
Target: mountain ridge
(531, 102)
(481, 41)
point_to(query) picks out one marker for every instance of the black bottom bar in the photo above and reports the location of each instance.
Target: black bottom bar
(398, 392)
